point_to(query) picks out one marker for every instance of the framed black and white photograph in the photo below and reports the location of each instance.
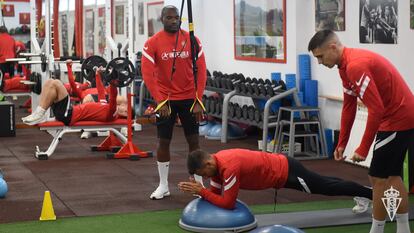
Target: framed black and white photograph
(260, 30)
(330, 14)
(412, 14)
(378, 21)
(119, 19)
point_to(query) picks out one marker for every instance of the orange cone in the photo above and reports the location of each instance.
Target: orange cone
(47, 210)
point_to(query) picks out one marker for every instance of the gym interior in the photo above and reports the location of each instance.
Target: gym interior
(264, 89)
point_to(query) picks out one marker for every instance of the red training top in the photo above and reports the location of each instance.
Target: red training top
(157, 61)
(96, 111)
(244, 169)
(6, 47)
(377, 83)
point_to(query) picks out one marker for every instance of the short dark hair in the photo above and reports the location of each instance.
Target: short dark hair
(3, 29)
(319, 38)
(168, 7)
(195, 160)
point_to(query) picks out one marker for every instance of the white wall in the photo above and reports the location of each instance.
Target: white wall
(329, 81)
(216, 33)
(19, 7)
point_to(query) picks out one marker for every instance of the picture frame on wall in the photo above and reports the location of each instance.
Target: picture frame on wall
(24, 18)
(154, 17)
(330, 14)
(378, 21)
(412, 14)
(7, 10)
(141, 18)
(119, 19)
(260, 30)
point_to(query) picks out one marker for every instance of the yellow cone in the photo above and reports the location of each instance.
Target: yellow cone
(47, 210)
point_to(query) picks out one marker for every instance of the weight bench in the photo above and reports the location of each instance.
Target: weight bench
(16, 93)
(57, 129)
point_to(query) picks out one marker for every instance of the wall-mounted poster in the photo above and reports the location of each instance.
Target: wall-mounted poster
(412, 14)
(154, 17)
(89, 45)
(7, 10)
(119, 19)
(64, 34)
(141, 18)
(101, 31)
(24, 18)
(330, 14)
(378, 21)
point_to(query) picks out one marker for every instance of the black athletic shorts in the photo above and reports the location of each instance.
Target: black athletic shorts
(96, 100)
(181, 108)
(389, 152)
(63, 110)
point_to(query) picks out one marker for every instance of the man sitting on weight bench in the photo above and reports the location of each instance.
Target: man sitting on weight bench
(98, 94)
(54, 95)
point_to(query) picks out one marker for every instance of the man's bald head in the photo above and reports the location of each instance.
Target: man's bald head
(168, 8)
(321, 38)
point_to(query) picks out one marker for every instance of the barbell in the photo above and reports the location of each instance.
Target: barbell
(119, 72)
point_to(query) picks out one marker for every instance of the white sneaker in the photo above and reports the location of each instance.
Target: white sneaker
(34, 118)
(160, 193)
(86, 135)
(124, 131)
(362, 205)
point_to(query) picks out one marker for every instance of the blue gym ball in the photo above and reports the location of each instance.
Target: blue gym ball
(277, 229)
(3, 188)
(202, 216)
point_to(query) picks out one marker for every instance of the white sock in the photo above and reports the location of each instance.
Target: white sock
(163, 168)
(199, 179)
(40, 110)
(402, 223)
(377, 226)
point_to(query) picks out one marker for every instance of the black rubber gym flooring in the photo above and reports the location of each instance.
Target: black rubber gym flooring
(85, 183)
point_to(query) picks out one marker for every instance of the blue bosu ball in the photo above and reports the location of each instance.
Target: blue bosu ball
(202, 216)
(3, 188)
(277, 229)
(203, 129)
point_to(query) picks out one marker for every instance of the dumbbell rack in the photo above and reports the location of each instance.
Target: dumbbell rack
(228, 94)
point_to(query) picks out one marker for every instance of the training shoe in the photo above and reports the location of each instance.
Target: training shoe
(34, 118)
(124, 131)
(86, 135)
(362, 205)
(160, 193)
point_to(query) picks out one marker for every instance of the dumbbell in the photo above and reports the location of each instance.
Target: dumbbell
(273, 87)
(231, 110)
(238, 111)
(219, 105)
(257, 115)
(207, 104)
(209, 81)
(250, 112)
(245, 112)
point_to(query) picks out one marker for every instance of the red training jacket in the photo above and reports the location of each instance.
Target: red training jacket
(244, 169)
(7, 49)
(377, 83)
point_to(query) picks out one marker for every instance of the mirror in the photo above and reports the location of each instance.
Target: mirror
(260, 30)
